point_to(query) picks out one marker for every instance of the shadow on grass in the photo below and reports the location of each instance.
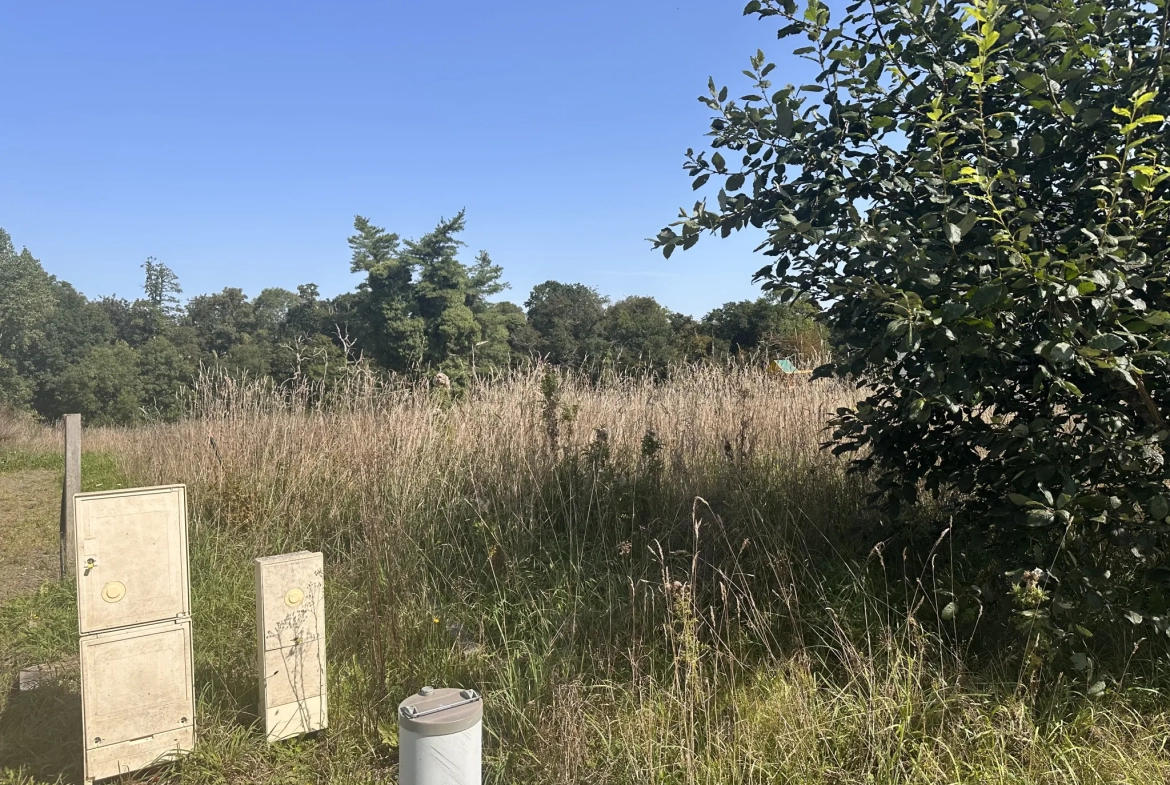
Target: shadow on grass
(40, 732)
(231, 693)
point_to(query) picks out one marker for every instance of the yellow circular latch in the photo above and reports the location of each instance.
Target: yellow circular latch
(113, 591)
(294, 598)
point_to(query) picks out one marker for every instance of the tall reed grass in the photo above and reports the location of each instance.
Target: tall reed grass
(664, 582)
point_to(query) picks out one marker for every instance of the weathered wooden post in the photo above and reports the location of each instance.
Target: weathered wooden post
(70, 486)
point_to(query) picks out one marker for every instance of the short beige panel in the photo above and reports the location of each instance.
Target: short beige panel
(290, 598)
(294, 673)
(290, 619)
(293, 719)
(131, 557)
(138, 754)
(136, 683)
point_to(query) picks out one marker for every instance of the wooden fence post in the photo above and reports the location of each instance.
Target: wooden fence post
(70, 486)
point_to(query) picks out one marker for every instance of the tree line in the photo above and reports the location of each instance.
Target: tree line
(420, 309)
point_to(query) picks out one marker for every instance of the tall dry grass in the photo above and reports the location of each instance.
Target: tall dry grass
(651, 582)
(18, 428)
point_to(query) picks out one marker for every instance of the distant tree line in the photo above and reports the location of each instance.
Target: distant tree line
(419, 310)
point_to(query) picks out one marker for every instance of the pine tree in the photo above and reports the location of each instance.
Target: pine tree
(161, 286)
(394, 334)
(423, 306)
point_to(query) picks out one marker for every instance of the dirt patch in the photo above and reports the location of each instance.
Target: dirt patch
(30, 512)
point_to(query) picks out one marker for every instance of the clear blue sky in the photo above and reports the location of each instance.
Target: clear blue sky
(235, 141)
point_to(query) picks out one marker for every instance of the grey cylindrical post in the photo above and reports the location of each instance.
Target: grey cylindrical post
(440, 738)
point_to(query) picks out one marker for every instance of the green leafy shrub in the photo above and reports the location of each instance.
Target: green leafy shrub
(978, 194)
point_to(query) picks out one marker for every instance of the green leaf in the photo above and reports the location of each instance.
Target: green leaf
(1144, 99)
(1040, 518)
(968, 222)
(985, 296)
(1033, 82)
(1061, 353)
(948, 611)
(718, 162)
(735, 182)
(1019, 499)
(1157, 318)
(954, 234)
(1108, 342)
(881, 122)
(1158, 507)
(1133, 617)
(784, 120)
(1094, 502)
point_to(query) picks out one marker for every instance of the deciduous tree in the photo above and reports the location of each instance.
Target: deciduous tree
(979, 193)
(568, 318)
(640, 334)
(26, 300)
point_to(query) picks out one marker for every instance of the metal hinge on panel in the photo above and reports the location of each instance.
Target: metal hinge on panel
(469, 696)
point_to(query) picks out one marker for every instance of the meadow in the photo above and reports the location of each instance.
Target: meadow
(650, 582)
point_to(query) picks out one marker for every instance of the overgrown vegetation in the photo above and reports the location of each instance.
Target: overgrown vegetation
(979, 191)
(664, 582)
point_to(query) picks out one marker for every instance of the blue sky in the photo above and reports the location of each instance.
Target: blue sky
(235, 141)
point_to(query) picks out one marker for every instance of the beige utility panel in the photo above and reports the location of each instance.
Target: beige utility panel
(134, 615)
(290, 619)
(138, 704)
(131, 557)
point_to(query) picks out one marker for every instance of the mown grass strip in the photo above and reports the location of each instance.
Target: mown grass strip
(99, 471)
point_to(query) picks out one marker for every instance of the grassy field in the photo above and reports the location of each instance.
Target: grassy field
(649, 583)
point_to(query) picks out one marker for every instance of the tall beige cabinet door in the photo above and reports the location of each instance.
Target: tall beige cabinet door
(290, 617)
(131, 557)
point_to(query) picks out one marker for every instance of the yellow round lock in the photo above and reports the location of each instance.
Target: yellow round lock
(294, 598)
(113, 591)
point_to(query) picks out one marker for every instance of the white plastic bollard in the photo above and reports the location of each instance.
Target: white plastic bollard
(440, 738)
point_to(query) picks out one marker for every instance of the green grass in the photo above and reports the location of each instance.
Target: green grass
(13, 460)
(99, 471)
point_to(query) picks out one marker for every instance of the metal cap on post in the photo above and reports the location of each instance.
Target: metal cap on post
(440, 738)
